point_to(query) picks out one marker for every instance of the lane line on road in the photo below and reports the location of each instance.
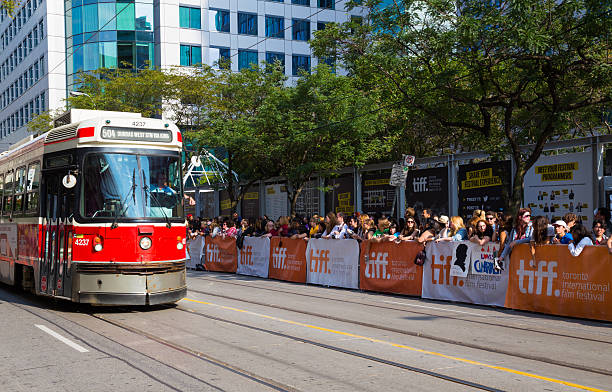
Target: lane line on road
(434, 308)
(62, 339)
(374, 340)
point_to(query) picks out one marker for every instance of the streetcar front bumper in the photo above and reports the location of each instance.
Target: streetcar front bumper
(129, 284)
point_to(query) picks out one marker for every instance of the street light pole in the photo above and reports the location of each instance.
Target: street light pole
(79, 94)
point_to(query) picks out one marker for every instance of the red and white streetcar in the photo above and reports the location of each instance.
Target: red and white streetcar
(92, 211)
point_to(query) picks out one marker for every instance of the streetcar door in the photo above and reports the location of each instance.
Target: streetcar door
(48, 265)
(63, 277)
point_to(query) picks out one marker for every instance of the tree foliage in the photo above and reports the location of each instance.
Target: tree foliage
(489, 75)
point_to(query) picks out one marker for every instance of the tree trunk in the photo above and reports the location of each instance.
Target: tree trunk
(516, 200)
(293, 198)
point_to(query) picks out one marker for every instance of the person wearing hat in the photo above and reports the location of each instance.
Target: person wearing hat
(562, 235)
(445, 232)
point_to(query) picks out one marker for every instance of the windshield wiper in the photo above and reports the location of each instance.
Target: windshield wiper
(123, 208)
(161, 208)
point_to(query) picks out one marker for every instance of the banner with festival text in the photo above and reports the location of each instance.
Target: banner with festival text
(483, 289)
(555, 282)
(389, 267)
(333, 263)
(221, 254)
(287, 260)
(254, 257)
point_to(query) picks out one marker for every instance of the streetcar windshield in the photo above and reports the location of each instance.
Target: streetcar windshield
(131, 186)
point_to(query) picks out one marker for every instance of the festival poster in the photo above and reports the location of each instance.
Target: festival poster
(483, 186)
(307, 203)
(287, 259)
(377, 196)
(390, 268)
(249, 204)
(555, 282)
(276, 201)
(462, 256)
(339, 195)
(558, 184)
(428, 188)
(225, 204)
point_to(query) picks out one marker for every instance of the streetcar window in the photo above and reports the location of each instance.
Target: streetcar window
(19, 188)
(8, 193)
(131, 186)
(33, 187)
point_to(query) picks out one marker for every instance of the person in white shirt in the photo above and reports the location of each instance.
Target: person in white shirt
(581, 239)
(340, 229)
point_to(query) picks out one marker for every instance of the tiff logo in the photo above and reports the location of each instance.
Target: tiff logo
(319, 260)
(546, 270)
(279, 258)
(246, 255)
(376, 266)
(419, 184)
(440, 273)
(212, 253)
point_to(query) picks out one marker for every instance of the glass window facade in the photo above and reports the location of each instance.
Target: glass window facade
(246, 58)
(108, 34)
(326, 4)
(301, 2)
(219, 56)
(190, 17)
(300, 29)
(275, 27)
(247, 24)
(191, 55)
(219, 20)
(273, 57)
(300, 63)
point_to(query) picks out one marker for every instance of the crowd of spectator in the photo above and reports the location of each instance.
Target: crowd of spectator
(422, 226)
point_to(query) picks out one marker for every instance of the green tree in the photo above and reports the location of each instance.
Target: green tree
(124, 90)
(9, 6)
(318, 127)
(227, 119)
(491, 75)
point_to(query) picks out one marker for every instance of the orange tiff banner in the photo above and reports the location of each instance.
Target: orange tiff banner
(287, 259)
(390, 267)
(555, 282)
(221, 254)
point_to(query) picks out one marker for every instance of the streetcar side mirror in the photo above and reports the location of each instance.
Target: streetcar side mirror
(69, 181)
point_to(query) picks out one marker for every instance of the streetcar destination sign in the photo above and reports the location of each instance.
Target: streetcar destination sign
(141, 135)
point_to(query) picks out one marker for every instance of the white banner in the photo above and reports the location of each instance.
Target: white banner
(462, 254)
(558, 184)
(254, 257)
(483, 289)
(333, 263)
(194, 251)
(276, 201)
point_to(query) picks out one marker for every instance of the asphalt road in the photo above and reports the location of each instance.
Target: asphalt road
(236, 333)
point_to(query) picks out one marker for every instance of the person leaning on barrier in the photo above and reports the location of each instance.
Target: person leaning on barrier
(603, 213)
(410, 232)
(562, 234)
(581, 239)
(482, 234)
(431, 230)
(570, 220)
(297, 230)
(458, 232)
(599, 229)
(541, 234)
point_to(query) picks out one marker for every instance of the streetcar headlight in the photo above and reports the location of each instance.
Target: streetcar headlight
(97, 241)
(145, 243)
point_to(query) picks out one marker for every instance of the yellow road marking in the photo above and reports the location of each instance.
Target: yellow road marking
(374, 340)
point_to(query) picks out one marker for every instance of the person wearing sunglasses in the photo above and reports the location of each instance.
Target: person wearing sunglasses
(520, 234)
